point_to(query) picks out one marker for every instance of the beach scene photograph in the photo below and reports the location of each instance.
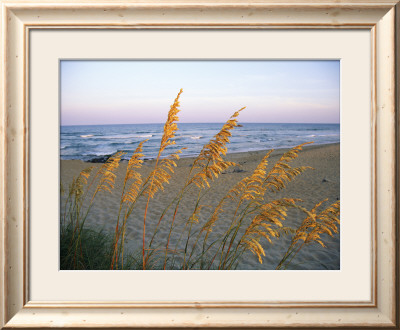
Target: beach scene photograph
(199, 165)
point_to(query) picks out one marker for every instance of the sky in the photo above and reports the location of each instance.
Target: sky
(135, 92)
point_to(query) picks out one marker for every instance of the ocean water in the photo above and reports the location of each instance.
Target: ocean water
(87, 142)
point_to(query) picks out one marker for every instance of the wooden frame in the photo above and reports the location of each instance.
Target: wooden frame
(19, 17)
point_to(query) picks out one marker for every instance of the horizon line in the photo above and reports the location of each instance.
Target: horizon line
(320, 123)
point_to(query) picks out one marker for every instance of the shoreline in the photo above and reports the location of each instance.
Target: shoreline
(103, 158)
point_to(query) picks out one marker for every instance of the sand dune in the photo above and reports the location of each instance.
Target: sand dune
(311, 186)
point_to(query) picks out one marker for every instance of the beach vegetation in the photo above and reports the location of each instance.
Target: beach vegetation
(249, 216)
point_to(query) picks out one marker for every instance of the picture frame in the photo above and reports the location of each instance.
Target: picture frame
(20, 18)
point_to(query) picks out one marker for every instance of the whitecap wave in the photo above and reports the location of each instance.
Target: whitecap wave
(330, 134)
(86, 136)
(144, 136)
(126, 136)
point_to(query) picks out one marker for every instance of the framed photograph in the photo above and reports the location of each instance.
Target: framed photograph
(199, 164)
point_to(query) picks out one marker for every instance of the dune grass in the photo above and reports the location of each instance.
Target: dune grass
(249, 214)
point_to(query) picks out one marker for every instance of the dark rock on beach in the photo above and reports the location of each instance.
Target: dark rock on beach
(100, 159)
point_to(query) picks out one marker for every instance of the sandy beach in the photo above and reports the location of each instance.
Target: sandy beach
(311, 186)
